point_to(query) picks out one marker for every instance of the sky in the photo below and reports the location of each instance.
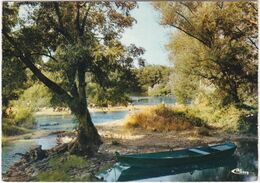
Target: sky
(149, 34)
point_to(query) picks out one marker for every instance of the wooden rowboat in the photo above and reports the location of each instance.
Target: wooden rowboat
(178, 157)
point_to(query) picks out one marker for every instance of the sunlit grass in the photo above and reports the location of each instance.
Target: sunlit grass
(162, 118)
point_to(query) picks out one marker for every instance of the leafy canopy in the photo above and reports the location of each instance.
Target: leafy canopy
(215, 48)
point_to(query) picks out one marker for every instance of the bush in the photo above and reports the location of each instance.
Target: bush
(24, 117)
(11, 130)
(229, 118)
(162, 118)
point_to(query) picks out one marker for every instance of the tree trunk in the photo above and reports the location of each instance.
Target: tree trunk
(234, 93)
(88, 140)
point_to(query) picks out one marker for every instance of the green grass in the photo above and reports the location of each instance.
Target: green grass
(68, 162)
(52, 176)
(60, 166)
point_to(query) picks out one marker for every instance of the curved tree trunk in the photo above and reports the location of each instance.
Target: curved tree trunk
(88, 140)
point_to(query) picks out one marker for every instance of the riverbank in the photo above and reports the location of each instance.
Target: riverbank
(123, 140)
(65, 111)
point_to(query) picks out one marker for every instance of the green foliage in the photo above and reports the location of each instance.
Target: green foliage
(68, 162)
(100, 96)
(36, 96)
(229, 118)
(214, 49)
(11, 130)
(153, 80)
(23, 117)
(69, 41)
(52, 176)
(158, 90)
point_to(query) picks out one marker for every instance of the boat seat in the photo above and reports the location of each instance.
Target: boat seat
(199, 151)
(221, 148)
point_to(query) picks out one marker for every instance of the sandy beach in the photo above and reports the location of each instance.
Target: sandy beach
(51, 111)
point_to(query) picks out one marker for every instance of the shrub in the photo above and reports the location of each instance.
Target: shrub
(11, 130)
(229, 118)
(163, 118)
(19, 122)
(24, 117)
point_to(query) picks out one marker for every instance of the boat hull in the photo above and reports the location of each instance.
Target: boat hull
(160, 159)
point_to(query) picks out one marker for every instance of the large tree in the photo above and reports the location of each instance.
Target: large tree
(71, 39)
(215, 44)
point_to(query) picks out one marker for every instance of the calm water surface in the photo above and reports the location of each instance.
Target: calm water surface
(68, 122)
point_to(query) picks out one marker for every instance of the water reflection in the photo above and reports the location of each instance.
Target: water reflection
(219, 170)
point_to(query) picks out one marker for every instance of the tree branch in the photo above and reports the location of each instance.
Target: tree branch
(77, 21)
(254, 44)
(60, 27)
(191, 35)
(184, 18)
(27, 60)
(43, 54)
(183, 3)
(85, 19)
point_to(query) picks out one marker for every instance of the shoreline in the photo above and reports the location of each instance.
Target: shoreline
(50, 111)
(117, 138)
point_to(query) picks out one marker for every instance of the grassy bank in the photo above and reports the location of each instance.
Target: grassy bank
(162, 118)
(180, 117)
